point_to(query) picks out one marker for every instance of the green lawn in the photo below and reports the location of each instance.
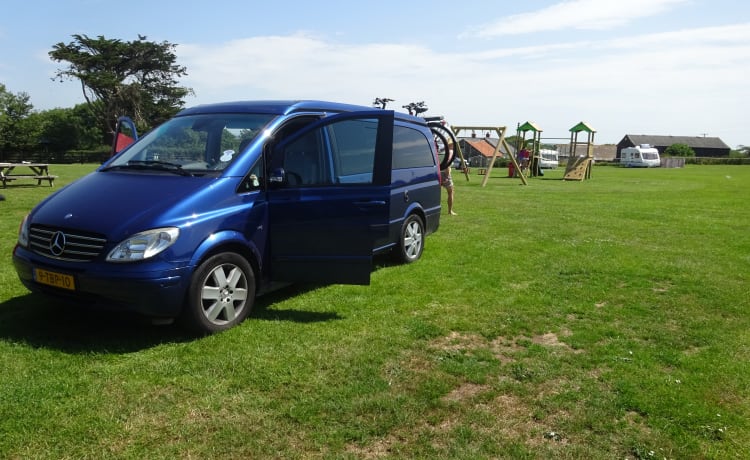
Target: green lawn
(598, 319)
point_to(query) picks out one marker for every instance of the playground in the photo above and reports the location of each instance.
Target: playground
(525, 157)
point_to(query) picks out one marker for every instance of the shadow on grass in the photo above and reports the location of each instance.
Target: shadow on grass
(45, 323)
(261, 310)
(42, 322)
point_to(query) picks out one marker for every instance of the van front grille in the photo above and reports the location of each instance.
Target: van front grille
(64, 244)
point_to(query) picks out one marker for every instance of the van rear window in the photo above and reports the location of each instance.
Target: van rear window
(411, 149)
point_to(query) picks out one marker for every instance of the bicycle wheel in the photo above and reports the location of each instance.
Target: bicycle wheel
(444, 150)
(445, 142)
(446, 131)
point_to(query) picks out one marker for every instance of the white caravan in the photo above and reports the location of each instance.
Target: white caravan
(642, 156)
(548, 159)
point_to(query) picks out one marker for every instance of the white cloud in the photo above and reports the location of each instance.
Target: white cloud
(665, 83)
(576, 14)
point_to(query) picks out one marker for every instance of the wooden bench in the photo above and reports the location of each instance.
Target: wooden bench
(39, 179)
(30, 171)
(482, 171)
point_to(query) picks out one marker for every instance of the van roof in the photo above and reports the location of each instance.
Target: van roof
(282, 107)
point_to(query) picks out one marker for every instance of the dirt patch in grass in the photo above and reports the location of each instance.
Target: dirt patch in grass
(456, 341)
(480, 408)
(551, 340)
(465, 392)
(506, 418)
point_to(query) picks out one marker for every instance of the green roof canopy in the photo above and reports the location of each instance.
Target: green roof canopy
(529, 126)
(582, 126)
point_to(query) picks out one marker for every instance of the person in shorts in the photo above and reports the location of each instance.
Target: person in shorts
(446, 180)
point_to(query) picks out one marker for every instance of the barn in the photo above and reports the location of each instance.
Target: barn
(703, 146)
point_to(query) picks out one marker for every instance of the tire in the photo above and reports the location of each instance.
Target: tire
(221, 294)
(411, 240)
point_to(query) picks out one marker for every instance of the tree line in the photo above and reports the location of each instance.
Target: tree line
(138, 79)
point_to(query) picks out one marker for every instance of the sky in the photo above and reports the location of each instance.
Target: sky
(660, 67)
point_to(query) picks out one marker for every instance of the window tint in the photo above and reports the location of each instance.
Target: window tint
(341, 152)
(305, 161)
(254, 179)
(411, 149)
(353, 150)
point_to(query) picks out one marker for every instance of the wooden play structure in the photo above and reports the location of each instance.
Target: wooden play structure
(579, 166)
(500, 130)
(532, 167)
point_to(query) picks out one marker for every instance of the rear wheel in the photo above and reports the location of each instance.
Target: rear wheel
(411, 241)
(221, 294)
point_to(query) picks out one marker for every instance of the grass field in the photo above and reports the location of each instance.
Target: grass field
(598, 319)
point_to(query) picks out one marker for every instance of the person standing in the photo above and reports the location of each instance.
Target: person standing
(446, 180)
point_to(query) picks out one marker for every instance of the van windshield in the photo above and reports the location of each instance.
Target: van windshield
(194, 144)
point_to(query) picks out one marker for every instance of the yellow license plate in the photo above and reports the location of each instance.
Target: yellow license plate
(59, 280)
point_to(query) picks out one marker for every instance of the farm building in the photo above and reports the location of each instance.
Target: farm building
(602, 152)
(703, 146)
(478, 151)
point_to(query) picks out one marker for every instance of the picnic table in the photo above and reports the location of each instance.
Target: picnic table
(33, 171)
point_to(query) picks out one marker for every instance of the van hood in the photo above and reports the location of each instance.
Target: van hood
(118, 204)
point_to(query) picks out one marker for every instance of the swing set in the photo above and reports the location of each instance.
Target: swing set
(500, 130)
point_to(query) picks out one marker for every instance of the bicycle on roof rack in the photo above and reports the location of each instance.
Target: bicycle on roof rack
(381, 102)
(445, 139)
(446, 142)
(415, 108)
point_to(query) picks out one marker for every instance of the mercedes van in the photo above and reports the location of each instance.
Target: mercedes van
(206, 211)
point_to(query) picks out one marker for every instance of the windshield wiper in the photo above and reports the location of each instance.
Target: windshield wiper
(153, 164)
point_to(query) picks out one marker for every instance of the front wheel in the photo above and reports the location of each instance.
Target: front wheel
(411, 241)
(221, 294)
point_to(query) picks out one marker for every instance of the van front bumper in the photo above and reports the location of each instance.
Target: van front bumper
(158, 292)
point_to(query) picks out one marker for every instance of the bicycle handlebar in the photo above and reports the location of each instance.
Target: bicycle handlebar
(415, 108)
(381, 102)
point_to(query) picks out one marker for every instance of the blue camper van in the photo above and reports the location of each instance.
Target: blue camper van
(206, 211)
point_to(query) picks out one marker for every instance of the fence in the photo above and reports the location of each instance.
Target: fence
(71, 156)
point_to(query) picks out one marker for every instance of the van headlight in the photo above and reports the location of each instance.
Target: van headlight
(144, 245)
(23, 232)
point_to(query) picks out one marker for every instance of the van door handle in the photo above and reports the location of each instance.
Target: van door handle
(370, 204)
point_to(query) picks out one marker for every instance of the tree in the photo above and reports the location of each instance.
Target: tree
(679, 150)
(67, 129)
(18, 132)
(137, 79)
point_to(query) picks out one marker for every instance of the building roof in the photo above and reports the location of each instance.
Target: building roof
(666, 141)
(483, 145)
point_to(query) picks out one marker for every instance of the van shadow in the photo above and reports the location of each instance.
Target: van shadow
(41, 322)
(45, 323)
(262, 309)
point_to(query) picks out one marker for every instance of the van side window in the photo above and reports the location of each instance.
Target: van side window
(254, 179)
(411, 149)
(305, 161)
(353, 150)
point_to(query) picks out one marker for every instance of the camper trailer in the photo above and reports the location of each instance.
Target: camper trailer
(548, 159)
(642, 156)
